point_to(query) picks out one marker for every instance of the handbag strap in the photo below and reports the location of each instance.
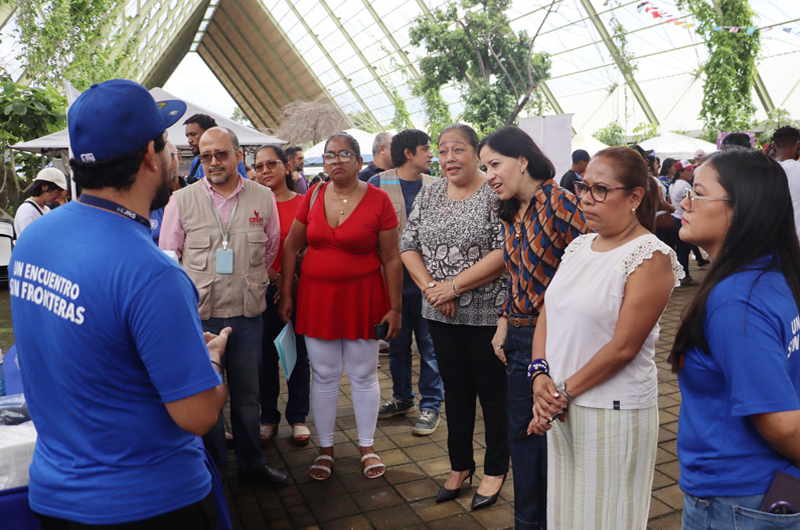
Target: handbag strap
(314, 194)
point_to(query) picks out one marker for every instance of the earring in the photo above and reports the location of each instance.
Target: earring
(521, 171)
(633, 211)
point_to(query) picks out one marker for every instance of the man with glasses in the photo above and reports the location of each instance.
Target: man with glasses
(176, 182)
(195, 126)
(225, 232)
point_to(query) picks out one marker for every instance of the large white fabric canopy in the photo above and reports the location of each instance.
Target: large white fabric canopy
(677, 146)
(588, 143)
(246, 135)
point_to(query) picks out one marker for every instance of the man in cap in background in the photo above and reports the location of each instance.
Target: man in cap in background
(118, 387)
(699, 157)
(49, 184)
(580, 159)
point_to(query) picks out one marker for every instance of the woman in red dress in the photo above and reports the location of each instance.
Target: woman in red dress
(351, 229)
(273, 170)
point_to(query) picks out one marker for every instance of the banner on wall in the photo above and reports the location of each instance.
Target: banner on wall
(553, 135)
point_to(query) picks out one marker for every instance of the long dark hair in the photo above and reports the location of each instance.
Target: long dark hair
(632, 172)
(282, 156)
(762, 225)
(666, 166)
(513, 142)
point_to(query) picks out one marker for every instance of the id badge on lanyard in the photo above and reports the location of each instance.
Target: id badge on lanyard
(224, 254)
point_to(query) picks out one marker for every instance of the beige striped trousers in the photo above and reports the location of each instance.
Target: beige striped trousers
(600, 465)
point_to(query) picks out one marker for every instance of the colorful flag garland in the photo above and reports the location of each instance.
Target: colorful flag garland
(657, 12)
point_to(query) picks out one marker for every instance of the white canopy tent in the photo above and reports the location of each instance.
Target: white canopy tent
(314, 154)
(247, 137)
(677, 146)
(588, 143)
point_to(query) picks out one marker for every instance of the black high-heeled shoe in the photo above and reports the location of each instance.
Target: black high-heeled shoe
(479, 501)
(449, 495)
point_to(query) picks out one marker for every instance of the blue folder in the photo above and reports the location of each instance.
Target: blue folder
(286, 345)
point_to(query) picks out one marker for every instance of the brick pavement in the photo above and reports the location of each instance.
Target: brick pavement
(417, 466)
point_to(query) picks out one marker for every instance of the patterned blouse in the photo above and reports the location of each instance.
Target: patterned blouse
(452, 236)
(533, 247)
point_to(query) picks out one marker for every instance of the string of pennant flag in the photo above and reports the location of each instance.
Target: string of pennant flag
(657, 12)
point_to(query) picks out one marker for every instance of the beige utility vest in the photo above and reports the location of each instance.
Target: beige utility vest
(390, 183)
(242, 293)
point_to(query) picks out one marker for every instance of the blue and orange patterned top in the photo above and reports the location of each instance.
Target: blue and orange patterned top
(534, 246)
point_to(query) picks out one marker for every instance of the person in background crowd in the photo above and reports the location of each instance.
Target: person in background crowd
(411, 156)
(452, 248)
(297, 159)
(208, 225)
(699, 157)
(274, 171)
(49, 184)
(580, 159)
(116, 444)
(539, 220)
(735, 349)
(737, 139)
(195, 126)
(665, 208)
(251, 173)
(176, 182)
(381, 157)
(599, 376)
(351, 231)
(667, 172)
(682, 182)
(787, 149)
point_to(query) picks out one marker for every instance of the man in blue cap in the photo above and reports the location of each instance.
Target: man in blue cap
(117, 386)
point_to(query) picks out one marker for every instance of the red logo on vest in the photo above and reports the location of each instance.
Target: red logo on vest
(256, 219)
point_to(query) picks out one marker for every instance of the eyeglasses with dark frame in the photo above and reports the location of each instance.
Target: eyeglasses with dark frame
(693, 196)
(598, 192)
(221, 156)
(343, 156)
(271, 164)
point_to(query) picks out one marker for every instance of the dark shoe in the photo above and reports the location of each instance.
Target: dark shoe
(449, 495)
(393, 407)
(266, 476)
(427, 423)
(479, 501)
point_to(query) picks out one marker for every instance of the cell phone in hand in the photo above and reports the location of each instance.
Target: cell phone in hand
(381, 330)
(555, 417)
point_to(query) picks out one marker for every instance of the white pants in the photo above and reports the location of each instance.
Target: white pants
(328, 360)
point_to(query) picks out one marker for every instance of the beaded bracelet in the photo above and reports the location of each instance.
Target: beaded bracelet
(456, 292)
(535, 366)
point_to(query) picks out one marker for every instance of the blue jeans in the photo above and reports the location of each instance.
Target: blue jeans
(242, 362)
(298, 384)
(431, 387)
(733, 513)
(528, 452)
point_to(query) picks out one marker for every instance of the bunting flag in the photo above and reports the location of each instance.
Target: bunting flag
(657, 12)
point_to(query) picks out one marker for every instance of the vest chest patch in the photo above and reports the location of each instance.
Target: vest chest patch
(256, 220)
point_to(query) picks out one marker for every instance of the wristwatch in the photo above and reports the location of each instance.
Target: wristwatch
(430, 284)
(561, 388)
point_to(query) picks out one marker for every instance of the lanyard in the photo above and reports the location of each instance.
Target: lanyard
(97, 202)
(223, 232)
(41, 212)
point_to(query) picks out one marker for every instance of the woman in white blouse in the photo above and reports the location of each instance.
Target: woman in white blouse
(593, 357)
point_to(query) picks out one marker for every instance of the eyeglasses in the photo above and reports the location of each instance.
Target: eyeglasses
(343, 156)
(173, 154)
(221, 156)
(693, 196)
(271, 164)
(598, 192)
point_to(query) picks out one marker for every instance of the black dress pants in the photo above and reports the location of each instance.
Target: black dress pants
(470, 369)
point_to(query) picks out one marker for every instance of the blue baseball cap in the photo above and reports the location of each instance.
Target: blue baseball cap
(117, 117)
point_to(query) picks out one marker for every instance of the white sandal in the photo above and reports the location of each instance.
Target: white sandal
(380, 465)
(329, 470)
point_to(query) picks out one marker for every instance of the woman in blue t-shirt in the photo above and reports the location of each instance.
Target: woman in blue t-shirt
(736, 349)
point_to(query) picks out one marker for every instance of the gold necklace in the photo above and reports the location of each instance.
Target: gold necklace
(343, 202)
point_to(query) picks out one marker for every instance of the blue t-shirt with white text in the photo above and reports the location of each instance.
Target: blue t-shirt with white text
(107, 332)
(752, 327)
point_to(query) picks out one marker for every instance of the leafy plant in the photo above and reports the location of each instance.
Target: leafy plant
(239, 117)
(470, 44)
(731, 66)
(644, 131)
(776, 118)
(402, 118)
(611, 134)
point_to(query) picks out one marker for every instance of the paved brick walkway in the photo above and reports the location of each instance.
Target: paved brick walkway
(417, 466)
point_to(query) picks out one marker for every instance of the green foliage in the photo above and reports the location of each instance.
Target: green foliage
(611, 134)
(402, 118)
(470, 44)
(80, 40)
(27, 113)
(644, 131)
(239, 117)
(362, 120)
(776, 118)
(731, 66)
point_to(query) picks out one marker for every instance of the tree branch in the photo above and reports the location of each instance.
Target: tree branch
(530, 48)
(484, 73)
(503, 68)
(520, 106)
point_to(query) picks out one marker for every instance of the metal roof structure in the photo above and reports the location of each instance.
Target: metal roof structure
(357, 53)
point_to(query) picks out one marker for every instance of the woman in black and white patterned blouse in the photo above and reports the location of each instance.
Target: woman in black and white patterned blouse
(452, 247)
